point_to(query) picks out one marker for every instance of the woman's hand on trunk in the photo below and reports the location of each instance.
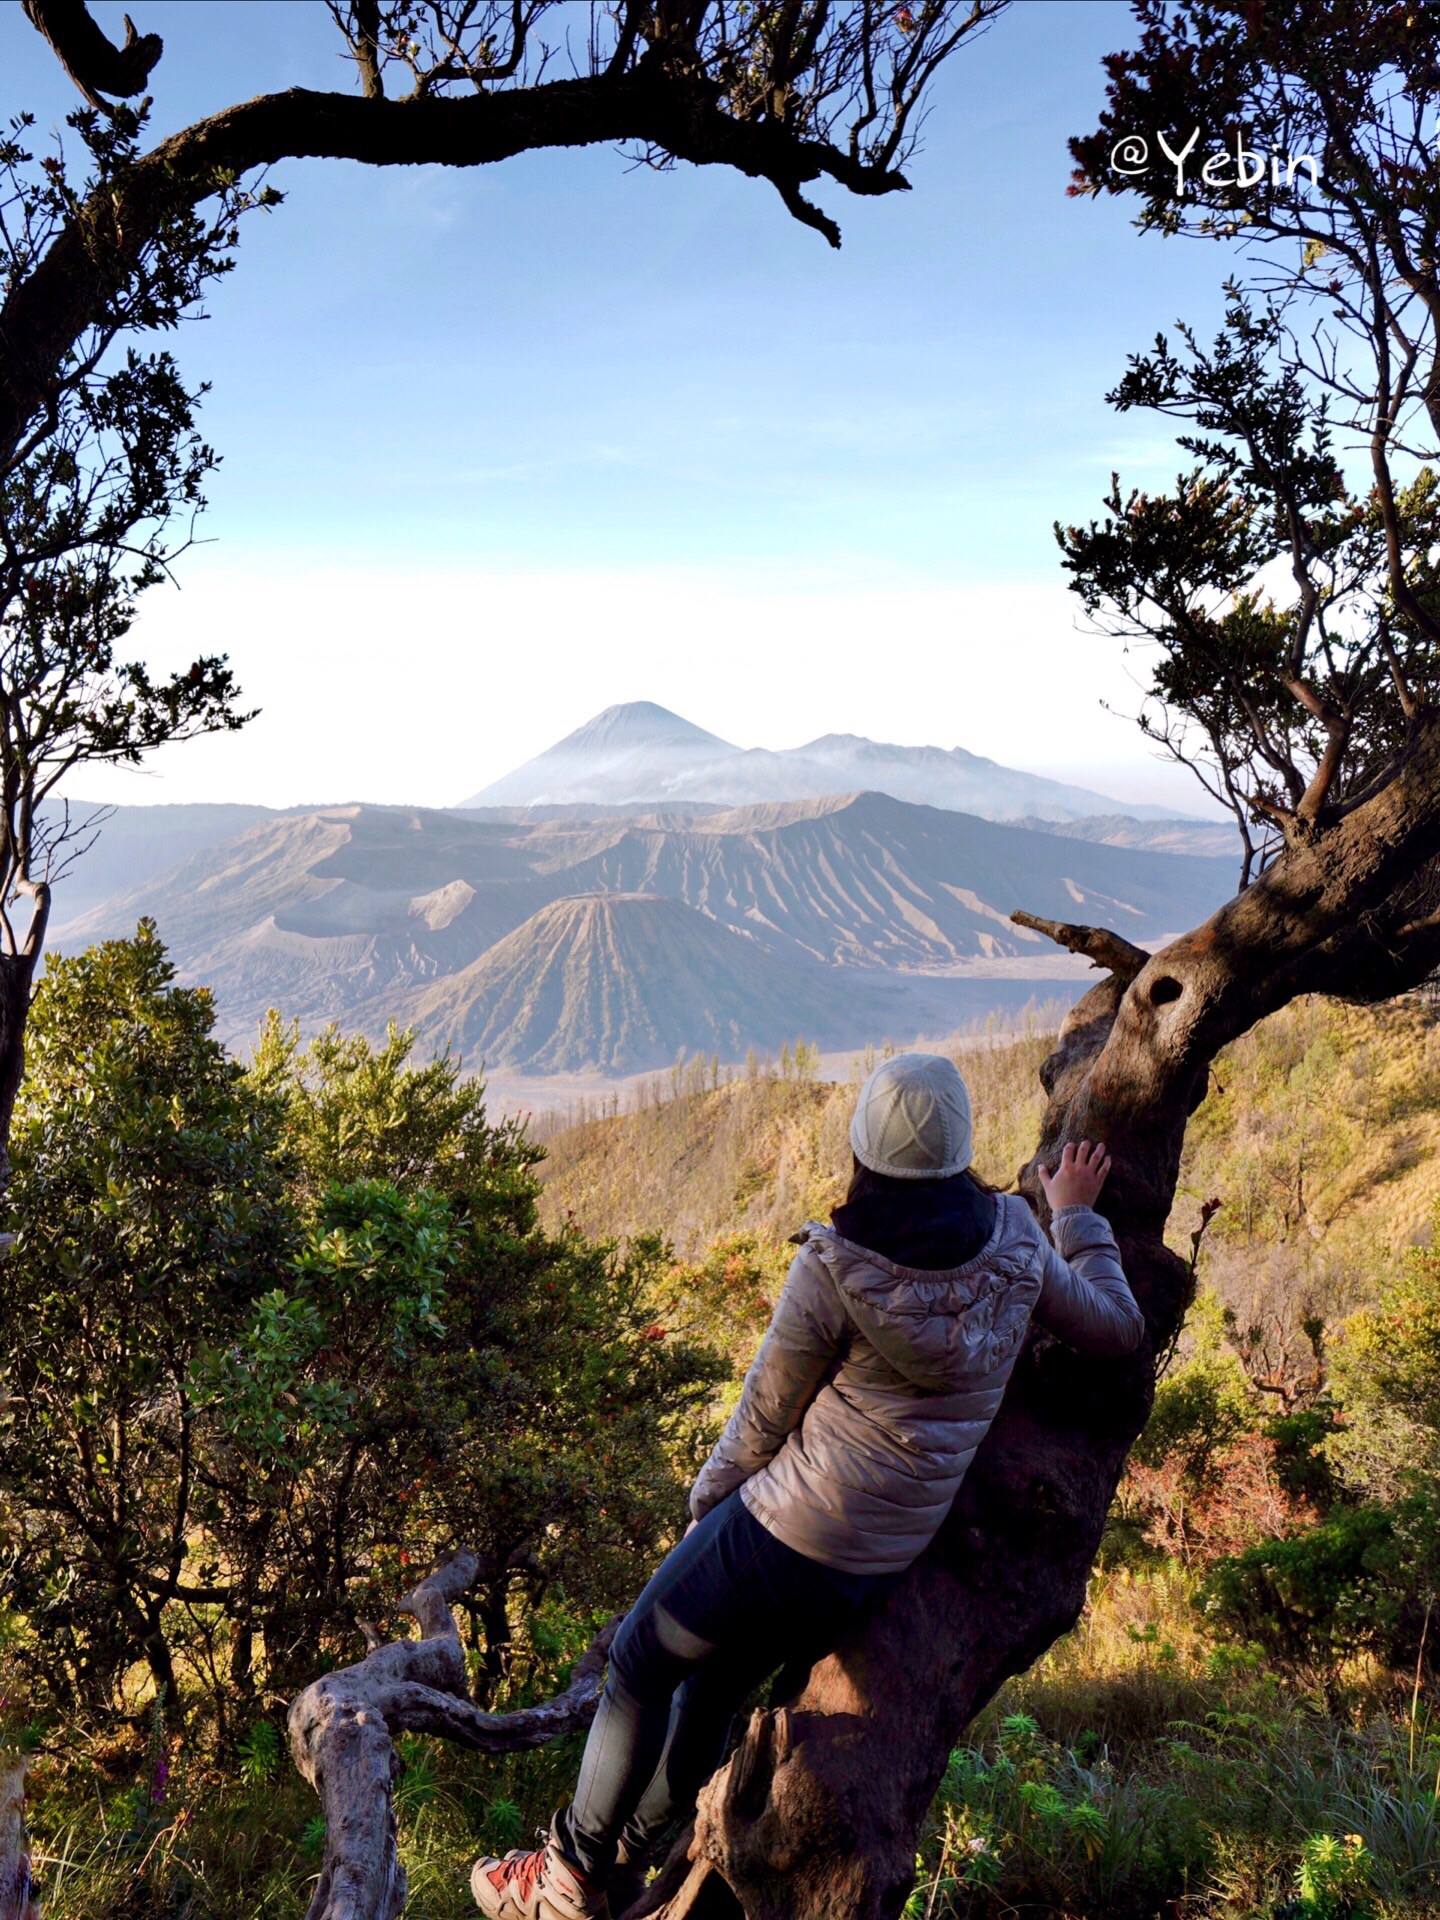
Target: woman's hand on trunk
(1077, 1180)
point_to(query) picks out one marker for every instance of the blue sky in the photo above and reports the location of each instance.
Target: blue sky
(501, 447)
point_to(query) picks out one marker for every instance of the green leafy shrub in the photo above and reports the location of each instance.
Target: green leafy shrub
(148, 1198)
(1302, 1464)
(1028, 1824)
(279, 1335)
(1331, 1879)
(258, 1754)
(1360, 1580)
(1197, 1413)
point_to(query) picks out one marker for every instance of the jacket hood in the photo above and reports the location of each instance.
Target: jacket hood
(943, 1331)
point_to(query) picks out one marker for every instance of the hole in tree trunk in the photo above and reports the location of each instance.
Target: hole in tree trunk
(1165, 989)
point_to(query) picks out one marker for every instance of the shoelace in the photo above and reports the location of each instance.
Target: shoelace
(524, 1869)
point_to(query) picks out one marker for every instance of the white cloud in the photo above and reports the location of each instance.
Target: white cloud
(382, 680)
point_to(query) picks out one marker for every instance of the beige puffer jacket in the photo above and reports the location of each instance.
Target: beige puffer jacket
(875, 1383)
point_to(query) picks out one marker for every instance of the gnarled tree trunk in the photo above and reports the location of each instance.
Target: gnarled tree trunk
(818, 1814)
(16, 1886)
(17, 974)
(343, 1728)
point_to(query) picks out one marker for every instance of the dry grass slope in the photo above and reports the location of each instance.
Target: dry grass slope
(1321, 1135)
(759, 1156)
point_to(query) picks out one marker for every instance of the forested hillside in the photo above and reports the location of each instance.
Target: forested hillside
(760, 1155)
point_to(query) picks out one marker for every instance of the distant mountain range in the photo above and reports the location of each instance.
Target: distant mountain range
(644, 888)
(613, 940)
(640, 758)
(627, 980)
(639, 752)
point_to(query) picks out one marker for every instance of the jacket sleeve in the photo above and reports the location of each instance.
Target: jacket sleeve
(807, 1332)
(1085, 1299)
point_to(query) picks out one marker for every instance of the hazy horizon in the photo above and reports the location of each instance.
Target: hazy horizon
(1183, 806)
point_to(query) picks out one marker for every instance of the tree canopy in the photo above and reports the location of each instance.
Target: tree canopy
(273, 1334)
(1289, 578)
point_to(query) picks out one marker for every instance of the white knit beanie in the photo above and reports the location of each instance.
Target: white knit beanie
(912, 1119)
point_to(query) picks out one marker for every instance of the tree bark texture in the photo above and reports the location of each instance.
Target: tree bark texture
(92, 60)
(17, 972)
(16, 1897)
(342, 1731)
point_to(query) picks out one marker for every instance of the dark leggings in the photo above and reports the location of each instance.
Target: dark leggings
(728, 1606)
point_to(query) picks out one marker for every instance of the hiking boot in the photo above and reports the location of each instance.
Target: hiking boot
(540, 1885)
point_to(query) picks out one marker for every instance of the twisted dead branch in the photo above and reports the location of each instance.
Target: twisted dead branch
(343, 1729)
(1101, 947)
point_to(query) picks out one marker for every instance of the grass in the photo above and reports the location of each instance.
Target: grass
(1137, 1772)
(245, 1843)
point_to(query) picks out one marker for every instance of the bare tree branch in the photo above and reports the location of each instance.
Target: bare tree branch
(94, 63)
(695, 83)
(342, 1731)
(1105, 949)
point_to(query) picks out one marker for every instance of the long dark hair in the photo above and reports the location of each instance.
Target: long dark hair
(863, 1183)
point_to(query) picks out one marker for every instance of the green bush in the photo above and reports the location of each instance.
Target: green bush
(1198, 1412)
(277, 1336)
(1302, 1465)
(1359, 1581)
(1031, 1825)
(150, 1206)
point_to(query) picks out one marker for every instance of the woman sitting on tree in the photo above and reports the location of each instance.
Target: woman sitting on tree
(882, 1368)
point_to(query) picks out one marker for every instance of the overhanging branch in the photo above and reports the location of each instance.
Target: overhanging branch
(651, 103)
